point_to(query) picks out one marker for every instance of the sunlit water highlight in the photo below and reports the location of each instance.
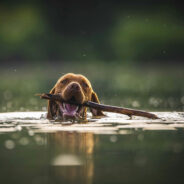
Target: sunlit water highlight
(111, 124)
(113, 149)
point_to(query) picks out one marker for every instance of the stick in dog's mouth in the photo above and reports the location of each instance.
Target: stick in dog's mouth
(67, 108)
(73, 107)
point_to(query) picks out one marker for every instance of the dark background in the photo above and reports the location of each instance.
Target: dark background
(144, 31)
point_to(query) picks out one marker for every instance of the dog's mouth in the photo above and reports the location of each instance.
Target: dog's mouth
(70, 110)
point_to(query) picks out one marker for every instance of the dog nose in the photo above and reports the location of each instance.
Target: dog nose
(75, 86)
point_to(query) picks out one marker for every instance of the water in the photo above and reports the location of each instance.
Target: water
(113, 149)
(65, 157)
(152, 88)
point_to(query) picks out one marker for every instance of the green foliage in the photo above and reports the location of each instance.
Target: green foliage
(28, 32)
(19, 28)
(145, 37)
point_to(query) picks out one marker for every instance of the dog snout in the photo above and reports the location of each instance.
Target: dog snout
(74, 87)
(73, 92)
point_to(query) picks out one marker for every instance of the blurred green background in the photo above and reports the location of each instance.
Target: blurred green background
(132, 51)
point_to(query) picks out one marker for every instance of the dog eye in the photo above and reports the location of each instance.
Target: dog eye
(85, 84)
(64, 81)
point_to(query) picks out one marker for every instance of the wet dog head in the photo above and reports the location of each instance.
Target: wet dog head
(73, 88)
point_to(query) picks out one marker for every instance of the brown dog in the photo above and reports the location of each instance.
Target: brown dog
(76, 88)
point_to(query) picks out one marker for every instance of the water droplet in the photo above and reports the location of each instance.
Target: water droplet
(24, 141)
(19, 128)
(22, 108)
(3, 108)
(140, 137)
(155, 101)
(39, 140)
(30, 132)
(9, 144)
(135, 104)
(113, 138)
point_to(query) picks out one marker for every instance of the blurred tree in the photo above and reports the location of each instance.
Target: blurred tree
(45, 30)
(148, 37)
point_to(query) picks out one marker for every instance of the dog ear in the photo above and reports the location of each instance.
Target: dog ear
(52, 107)
(95, 112)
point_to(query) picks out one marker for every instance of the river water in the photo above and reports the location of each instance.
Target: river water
(114, 149)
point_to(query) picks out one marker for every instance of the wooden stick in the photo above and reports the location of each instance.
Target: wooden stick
(107, 108)
(121, 110)
(49, 96)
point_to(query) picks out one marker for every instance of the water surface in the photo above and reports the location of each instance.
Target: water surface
(110, 150)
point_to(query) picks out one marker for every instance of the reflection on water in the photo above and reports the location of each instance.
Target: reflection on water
(112, 149)
(73, 157)
(69, 157)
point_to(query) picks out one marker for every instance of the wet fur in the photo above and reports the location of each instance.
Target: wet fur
(85, 93)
